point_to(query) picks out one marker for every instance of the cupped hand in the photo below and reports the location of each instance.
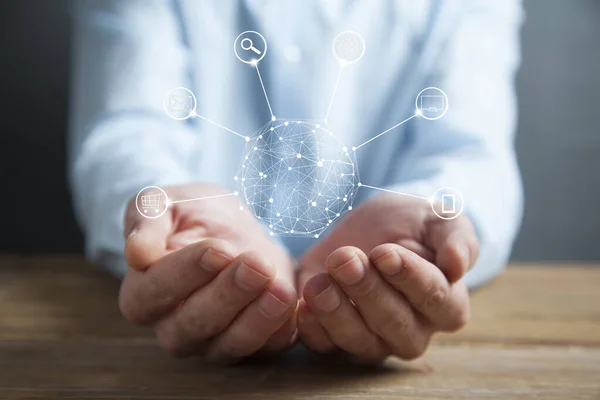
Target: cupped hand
(385, 279)
(207, 279)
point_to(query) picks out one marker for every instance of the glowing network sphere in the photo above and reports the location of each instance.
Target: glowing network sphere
(297, 177)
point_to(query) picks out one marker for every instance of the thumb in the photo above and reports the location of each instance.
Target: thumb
(145, 238)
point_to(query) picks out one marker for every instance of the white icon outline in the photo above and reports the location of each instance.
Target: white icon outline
(251, 48)
(458, 198)
(169, 98)
(146, 210)
(419, 103)
(343, 38)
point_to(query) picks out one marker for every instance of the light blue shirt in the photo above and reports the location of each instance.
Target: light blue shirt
(129, 54)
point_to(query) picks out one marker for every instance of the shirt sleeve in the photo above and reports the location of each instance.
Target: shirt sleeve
(471, 148)
(127, 56)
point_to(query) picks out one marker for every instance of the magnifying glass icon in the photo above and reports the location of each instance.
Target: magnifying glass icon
(248, 45)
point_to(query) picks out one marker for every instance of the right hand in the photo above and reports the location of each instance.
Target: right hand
(207, 278)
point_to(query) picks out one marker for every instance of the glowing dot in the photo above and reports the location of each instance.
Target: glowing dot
(289, 168)
(317, 236)
(280, 138)
(344, 149)
(359, 184)
(330, 221)
(271, 226)
(337, 215)
(314, 203)
(241, 208)
(419, 111)
(260, 174)
(271, 200)
(314, 131)
(260, 136)
(273, 118)
(298, 122)
(292, 231)
(349, 207)
(247, 139)
(246, 157)
(298, 155)
(286, 123)
(255, 148)
(342, 174)
(278, 214)
(235, 193)
(271, 233)
(320, 163)
(345, 199)
(353, 148)
(272, 129)
(318, 126)
(243, 179)
(235, 178)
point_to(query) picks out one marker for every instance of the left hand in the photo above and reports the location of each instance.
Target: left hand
(391, 301)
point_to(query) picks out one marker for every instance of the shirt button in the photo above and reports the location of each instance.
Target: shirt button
(292, 53)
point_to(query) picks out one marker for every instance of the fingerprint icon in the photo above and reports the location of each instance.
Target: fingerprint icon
(348, 47)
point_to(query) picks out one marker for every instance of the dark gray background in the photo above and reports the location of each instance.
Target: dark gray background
(558, 141)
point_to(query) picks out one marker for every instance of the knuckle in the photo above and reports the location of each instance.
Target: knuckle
(435, 299)
(395, 327)
(412, 351)
(169, 342)
(460, 320)
(367, 289)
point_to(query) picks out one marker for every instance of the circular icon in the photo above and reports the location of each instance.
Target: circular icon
(348, 47)
(152, 202)
(431, 103)
(250, 47)
(180, 103)
(447, 203)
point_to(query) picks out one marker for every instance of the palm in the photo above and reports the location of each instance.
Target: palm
(220, 218)
(383, 219)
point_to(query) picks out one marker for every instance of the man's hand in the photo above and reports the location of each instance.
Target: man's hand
(204, 277)
(385, 279)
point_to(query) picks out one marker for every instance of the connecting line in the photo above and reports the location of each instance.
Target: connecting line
(264, 90)
(221, 126)
(384, 132)
(392, 191)
(203, 198)
(337, 82)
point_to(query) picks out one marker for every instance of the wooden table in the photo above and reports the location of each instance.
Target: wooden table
(535, 333)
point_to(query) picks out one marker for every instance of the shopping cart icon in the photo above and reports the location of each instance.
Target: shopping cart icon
(151, 201)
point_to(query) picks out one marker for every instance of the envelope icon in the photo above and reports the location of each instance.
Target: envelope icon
(179, 103)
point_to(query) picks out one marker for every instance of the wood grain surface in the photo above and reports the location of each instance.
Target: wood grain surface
(535, 333)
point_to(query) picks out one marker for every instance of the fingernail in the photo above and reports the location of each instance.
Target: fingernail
(350, 272)
(133, 232)
(250, 279)
(390, 263)
(213, 260)
(328, 300)
(271, 306)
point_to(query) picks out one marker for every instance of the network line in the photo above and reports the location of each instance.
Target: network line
(203, 198)
(246, 138)
(337, 83)
(386, 131)
(264, 90)
(395, 192)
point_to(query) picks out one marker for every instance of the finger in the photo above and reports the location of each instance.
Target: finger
(342, 322)
(455, 243)
(311, 332)
(253, 327)
(146, 296)
(385, 311)
(211, 309)
(423, 285)
(285, 337)
(145, 238)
